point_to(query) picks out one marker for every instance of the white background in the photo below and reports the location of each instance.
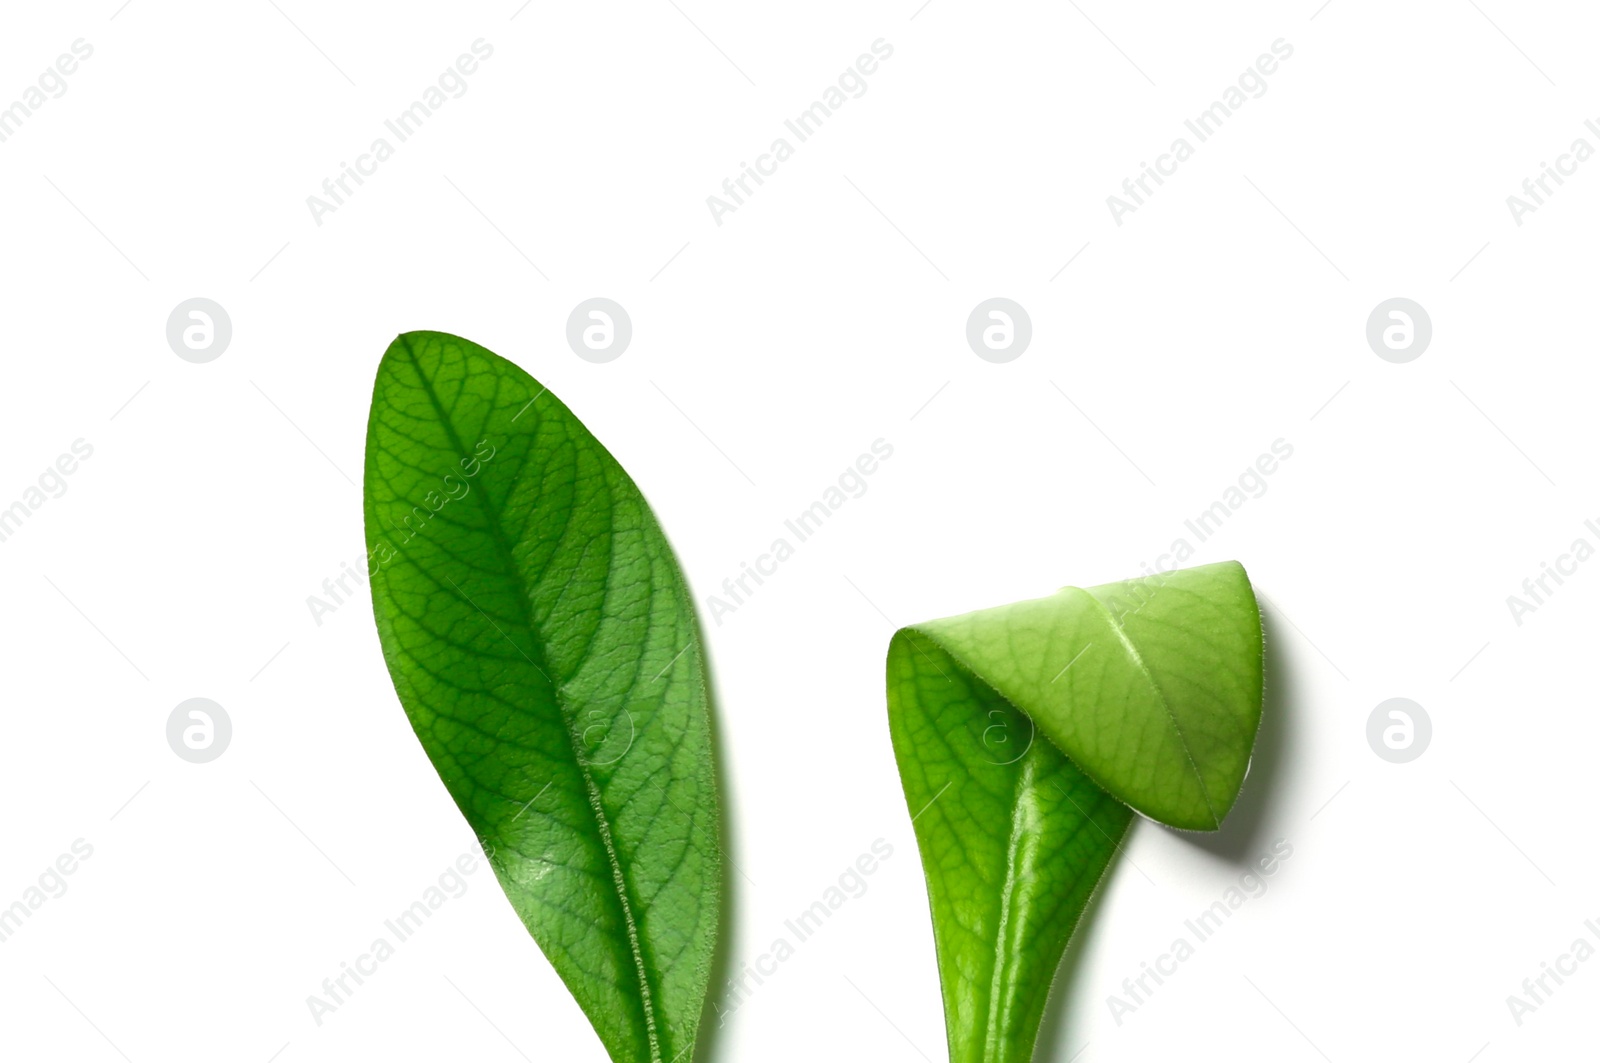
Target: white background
(827, 312)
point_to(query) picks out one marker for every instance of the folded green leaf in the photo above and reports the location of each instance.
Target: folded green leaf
(1026, 736)
(544, 646)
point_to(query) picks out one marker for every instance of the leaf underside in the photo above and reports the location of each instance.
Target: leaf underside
(1028, 735)
(544, 646)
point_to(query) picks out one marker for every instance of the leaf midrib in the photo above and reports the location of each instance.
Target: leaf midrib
(1138, 662)
(1021, 786)
(602, 824)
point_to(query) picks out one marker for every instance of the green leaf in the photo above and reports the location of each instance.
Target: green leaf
(1026, 737)
(543, 644)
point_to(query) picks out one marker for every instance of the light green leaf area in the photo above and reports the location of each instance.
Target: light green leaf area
(544, 646)
(1027, 735)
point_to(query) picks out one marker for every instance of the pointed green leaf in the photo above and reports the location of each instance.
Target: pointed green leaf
(541, 639)
(1026, 736)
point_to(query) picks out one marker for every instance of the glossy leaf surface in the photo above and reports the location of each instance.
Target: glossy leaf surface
(1027, 735)
(544, 646)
